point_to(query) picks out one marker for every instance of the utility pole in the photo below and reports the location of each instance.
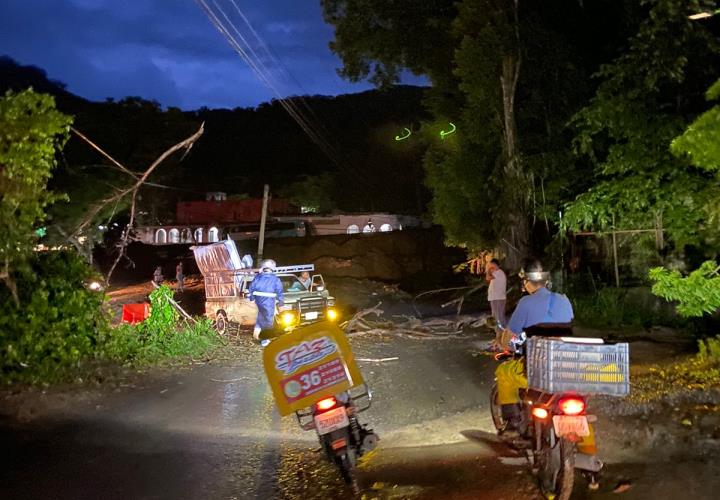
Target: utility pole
(263, 218)
(615, 257)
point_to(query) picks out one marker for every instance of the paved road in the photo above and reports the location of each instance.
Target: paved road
(211, 432)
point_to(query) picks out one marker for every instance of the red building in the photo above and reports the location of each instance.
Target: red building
(230, 211)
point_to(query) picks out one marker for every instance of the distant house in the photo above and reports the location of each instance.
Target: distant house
(217, 218)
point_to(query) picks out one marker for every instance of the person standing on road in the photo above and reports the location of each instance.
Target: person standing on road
(497, 294)
(158, 276)
(180, 277)
(266, 290)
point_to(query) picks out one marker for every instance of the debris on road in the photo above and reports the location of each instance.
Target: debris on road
(622, 487)
(409, 326)
(377, 360)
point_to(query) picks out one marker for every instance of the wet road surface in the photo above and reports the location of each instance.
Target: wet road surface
(212, 432)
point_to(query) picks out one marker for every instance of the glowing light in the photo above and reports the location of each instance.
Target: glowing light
(704, 15)
(326, 404)
(444, 133)
(408, 133)
(572, 406)
(332, 314)
(288, 318)
(540, 413)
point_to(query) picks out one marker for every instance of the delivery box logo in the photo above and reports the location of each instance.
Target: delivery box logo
(308, 364)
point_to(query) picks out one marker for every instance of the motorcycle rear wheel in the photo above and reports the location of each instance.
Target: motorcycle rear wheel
(556, 461)
(346, 463)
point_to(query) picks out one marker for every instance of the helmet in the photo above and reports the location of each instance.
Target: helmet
(533, 271)
(268, 264)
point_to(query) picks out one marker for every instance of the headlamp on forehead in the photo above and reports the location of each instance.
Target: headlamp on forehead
(534, 275)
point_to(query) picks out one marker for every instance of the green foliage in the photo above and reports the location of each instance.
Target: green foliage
(699, 292)
(314, 192)
(611, 307)
(701, 141)
(160, 337)
(57, 324)
(709, 350)
(501, 171)
(640, 106)
(377, 39)
(696, 294)
(32, 133)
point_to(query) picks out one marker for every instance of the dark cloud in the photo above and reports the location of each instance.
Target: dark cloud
(169, 51)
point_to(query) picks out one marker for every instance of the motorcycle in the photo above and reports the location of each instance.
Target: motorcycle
(555, 424)
(313, 373)
(342, 438)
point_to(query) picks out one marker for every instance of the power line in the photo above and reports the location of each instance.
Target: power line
(251, 57)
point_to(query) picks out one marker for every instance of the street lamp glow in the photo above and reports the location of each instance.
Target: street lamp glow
(704, 15)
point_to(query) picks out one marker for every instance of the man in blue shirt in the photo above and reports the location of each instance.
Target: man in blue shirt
(542, 312)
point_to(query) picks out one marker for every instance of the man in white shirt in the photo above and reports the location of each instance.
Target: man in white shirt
(497, 292)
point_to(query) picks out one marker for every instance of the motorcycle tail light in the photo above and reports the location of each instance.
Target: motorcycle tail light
(540, 413)
(572, 405)
(326, 404)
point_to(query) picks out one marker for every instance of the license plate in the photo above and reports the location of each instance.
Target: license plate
(311, 315)
(331, 420)
(565, 425)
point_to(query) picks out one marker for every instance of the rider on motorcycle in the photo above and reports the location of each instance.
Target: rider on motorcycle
(541, 312)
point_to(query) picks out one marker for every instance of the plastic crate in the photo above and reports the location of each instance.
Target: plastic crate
(557, 366)
(135, 313)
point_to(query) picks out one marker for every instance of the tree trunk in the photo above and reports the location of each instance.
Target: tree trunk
(516, 236)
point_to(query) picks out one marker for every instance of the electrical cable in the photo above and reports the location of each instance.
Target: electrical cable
(314, 129)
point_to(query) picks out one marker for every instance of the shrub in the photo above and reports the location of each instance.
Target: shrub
(57, 323)
(159, 337)
(615, 307)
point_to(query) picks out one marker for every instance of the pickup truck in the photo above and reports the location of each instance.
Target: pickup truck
(226, 291)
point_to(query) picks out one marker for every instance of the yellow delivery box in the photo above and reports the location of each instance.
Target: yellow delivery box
(309, 364)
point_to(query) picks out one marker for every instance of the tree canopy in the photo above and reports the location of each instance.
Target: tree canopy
(509, 74)
(644, 100)
(539, 139)
(32, 132)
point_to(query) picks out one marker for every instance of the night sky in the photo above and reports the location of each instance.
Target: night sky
(169, 51)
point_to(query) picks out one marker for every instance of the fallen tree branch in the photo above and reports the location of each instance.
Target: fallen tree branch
(460, 300)
(177, 306)
(119, 165)
(409, 326)
(130, 191)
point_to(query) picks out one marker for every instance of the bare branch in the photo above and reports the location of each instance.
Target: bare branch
(186, 144)
(102, 152)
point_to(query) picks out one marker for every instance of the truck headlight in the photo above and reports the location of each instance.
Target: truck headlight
(288, 318)
(332, 314)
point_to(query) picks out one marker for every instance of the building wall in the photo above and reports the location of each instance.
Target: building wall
(229, 211)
